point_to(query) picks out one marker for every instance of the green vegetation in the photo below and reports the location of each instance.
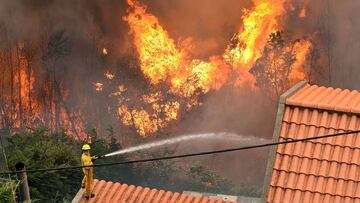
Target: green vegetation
(167, 175)
(205, 180)
(43, 149)
(6, 191)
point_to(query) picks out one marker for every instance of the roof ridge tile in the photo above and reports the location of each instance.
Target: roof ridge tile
(344, 104)
(311, 96)
(326, 98)
(355, 107)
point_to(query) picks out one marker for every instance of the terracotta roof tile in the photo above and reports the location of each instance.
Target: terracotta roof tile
(323, 170)
(123, 193)
(313, 96)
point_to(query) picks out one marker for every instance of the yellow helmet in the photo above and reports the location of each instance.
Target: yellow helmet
(86, 147)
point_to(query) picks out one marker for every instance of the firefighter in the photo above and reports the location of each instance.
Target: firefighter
(87, 181)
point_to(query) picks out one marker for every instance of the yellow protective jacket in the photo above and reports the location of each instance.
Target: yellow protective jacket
(86, 161)
(87, 181)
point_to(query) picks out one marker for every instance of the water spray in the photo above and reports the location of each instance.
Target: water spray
(231, 137)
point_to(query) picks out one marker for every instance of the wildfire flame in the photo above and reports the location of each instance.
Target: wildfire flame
(176, 79)
(302, 13)
(162, 60)
(109, 75)
(258, 23)
(104, 51)
(27, 101)
(302, 50)
(99, 86)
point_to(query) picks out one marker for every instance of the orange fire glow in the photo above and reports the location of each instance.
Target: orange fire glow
(163, 60)
(258, 24)
(176, 80)
(104, 51)
(99, 86)
(302, 13)
(109, 75)
(27, 101)
(301, 50)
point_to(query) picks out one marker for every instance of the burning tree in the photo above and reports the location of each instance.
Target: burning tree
(148, 108)
(32, 90)
(175, 81)
(282, 64)
(147, 91)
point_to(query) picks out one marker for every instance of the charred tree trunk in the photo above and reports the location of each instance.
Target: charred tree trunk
(328, 40)
(29, 85)
(2, 92)
(18, 57)
(47, 98)
(56, 102)
(12, 105)
(67, 111)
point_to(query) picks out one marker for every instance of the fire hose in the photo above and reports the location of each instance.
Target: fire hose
(98, 157)
(186, 155)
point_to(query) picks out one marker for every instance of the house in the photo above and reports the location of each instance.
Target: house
(116, 192)
(321, 170)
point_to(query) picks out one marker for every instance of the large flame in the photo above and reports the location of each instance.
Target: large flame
(178, 80)
(302, 13)
(152, 40)
(163, 60)
(27, 101)
(258, 23)
(301, 49)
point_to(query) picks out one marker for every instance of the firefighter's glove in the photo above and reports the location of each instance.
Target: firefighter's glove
(94, 158)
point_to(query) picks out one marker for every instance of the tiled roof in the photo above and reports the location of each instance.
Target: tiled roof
(123, 193)
(323, 170)
(326, 98)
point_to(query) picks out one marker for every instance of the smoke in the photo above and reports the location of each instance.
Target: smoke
(344, 46)
(238, 110)
(209, 23)
(91, 25)
(82, 28)
(235, 109)
(335, 28)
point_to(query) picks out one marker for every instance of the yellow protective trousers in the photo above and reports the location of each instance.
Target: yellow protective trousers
(87, 181)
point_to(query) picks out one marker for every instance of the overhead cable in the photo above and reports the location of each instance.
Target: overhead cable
(288, 141)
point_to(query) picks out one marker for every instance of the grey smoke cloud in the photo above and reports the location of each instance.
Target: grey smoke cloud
(210, 23)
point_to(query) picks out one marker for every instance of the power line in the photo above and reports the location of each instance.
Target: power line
(185, 155)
